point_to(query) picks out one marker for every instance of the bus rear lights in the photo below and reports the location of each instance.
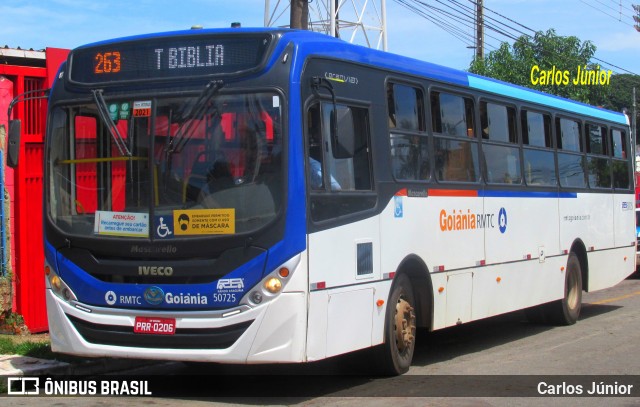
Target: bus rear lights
(273, 285)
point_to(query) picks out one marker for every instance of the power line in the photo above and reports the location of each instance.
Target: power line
(619, 11)
(604, 12)
(458, 14)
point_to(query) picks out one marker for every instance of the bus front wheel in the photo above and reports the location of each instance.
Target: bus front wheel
(400, 329)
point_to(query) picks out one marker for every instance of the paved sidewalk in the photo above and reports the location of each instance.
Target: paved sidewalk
(15, 365)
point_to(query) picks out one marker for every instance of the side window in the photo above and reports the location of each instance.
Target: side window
(409, 147)
(536, 129)
(501, 151)
(621, 164)
(455, 144)
(571, 165)
(405, 107)
(340, 162)
(568, 135)
(538, 155)
(598, 164)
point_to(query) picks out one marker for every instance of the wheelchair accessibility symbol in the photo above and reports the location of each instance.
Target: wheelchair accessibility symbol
(397, 211)
(165, 223)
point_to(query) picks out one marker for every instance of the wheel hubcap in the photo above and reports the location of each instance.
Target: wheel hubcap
(405, 325)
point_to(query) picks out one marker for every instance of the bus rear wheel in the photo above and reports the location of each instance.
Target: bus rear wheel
(400, 329)
(567, 310)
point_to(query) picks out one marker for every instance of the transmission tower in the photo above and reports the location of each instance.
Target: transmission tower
(356, 21)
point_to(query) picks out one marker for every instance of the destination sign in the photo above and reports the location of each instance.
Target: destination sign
(168, 58)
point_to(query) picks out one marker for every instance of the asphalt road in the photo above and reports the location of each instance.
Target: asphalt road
(468, 365)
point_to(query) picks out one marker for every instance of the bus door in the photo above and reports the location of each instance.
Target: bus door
(343, 242)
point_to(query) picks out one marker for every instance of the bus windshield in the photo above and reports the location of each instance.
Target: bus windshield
(190, 166)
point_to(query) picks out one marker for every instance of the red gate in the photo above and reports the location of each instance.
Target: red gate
(25, 183)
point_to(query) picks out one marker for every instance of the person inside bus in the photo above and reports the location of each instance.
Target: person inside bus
(315, 154)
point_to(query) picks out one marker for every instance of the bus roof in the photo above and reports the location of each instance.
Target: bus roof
(312, 43)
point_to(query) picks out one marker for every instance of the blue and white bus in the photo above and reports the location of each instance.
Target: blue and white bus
(258, 195)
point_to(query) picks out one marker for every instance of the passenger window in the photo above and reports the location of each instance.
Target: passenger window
(539, 159)
(405, 104)
(536, 129)
(456, 148)
(571, 167)
(621, 164)
(539, 167)
(452, 115)
(568, 135)
(410, 157)
(409, 142)
(598, 167)
(596, 139)
(498, 122)
(498, 126)
(618, 143)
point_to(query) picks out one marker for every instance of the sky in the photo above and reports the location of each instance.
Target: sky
(39, 24)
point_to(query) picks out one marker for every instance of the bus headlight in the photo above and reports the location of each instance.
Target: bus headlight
(273, 285)
(59, 287)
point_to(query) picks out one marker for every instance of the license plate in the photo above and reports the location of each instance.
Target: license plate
(155, 326)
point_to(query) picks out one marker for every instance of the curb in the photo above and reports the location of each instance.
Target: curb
(15, 365)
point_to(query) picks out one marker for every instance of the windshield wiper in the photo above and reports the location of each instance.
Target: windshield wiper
(183, 134)
(103, 110)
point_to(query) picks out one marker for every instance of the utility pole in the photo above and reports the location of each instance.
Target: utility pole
(636, 18)
(479, 30)
(299, 16)
(361, 22)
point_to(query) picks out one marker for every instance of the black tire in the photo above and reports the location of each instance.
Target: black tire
(396, 353)
(567, 310)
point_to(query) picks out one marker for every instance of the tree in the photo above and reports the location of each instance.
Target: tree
(546, 62)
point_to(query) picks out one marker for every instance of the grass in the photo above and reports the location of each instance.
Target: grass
(38, 348)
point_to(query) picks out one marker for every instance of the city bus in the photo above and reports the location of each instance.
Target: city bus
(268, 196)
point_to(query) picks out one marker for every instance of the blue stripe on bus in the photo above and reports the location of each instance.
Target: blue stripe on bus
(518, 92)
(526, 194)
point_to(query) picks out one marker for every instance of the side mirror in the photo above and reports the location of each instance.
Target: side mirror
(13, 147)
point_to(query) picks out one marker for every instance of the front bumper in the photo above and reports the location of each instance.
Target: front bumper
(273, 332)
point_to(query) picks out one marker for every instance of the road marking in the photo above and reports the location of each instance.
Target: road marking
(582, 338)
(616, 299)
